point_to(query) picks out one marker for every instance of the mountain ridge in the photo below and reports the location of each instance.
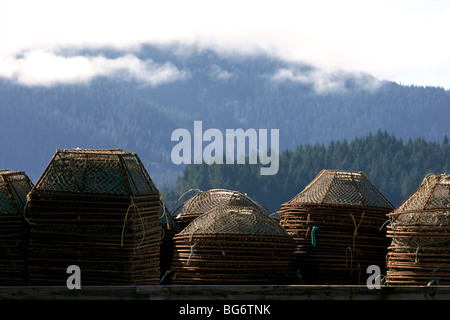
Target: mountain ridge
(224, 91)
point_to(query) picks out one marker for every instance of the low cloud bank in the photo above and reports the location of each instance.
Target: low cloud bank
(44, 68)
(324, 82)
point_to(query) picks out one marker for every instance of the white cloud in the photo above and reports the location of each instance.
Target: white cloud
(326, 82)
(400, 40)
(47, 68)
(218, 73)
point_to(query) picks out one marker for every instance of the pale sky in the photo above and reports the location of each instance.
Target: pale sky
(404, 41)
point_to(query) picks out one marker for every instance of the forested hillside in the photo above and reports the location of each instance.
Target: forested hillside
(394, 166)
(37, 121)
(307, 105)
(258, 91)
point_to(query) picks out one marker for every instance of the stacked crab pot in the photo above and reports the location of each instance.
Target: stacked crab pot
(14, 187)
(419, 230)
(233, 245)
(98, 210)
(336, 223)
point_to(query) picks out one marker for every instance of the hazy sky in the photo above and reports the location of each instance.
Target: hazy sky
(404, 41)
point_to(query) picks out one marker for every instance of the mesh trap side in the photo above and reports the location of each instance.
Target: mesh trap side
(342, 188)
(234, 220)
(140, 181)
(218, 198)
(14, 187)
(96, 171)
(6, 200)
(433, 193)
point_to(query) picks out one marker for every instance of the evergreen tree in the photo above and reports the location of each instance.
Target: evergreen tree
(394, 167)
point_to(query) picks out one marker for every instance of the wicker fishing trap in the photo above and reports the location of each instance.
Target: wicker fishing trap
(97, 209)
(233, 245)
(419, 230)
(336, 222)
(14, 187)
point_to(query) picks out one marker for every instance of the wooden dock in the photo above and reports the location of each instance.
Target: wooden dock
(224, 292)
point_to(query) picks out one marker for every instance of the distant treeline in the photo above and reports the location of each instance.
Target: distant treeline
(395, 167)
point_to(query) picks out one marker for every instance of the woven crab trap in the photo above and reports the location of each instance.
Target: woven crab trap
(99, 210)
(233, 245)
(14, 187)
(212, 199)
(335, 222)
(419, 230)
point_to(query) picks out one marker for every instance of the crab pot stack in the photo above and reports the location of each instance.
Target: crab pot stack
(419, 230)
(233, 245)
(214, 198)
(336, 222)
(98, 210)
(14, 187)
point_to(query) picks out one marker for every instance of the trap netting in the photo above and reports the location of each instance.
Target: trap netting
(432, 196)
(233, 245)
(335, 222)
(94, 171)
(14, 187)
(419, 230)
(342, 188)
(236, 220)
(214, 199)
